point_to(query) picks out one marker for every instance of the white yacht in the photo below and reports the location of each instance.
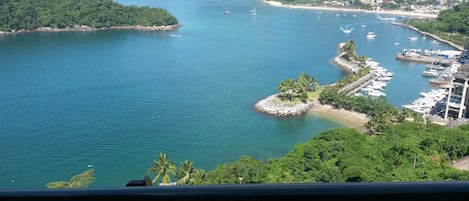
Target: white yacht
(434, 42)
(414, 38)
(384, 78)
(436, 67)
(371, 35)
(376, 93)
(387, 18)
(431, 73)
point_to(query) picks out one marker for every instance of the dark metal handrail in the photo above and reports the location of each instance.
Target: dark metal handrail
(395, 191)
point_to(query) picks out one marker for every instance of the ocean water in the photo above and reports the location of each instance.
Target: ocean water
(116, 99)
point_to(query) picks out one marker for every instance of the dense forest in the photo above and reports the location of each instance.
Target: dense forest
(451, 24)
(409, 151)
(31, 14)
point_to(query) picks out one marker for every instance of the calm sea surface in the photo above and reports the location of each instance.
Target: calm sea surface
(116, 99)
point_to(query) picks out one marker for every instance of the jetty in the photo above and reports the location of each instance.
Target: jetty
(348, 66)
(358, 84)
(371, 83)
(442, 57)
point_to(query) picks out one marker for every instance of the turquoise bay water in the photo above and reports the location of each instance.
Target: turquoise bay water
(115, 99)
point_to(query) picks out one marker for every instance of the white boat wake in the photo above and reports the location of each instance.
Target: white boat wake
(346, 30)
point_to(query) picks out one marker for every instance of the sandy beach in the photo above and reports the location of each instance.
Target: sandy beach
(344, 117)
(389, 12)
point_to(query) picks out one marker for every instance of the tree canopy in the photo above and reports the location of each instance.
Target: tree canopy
(297, 89)
(31, 14)
(404, 152)
(451, 24)
(81, 180)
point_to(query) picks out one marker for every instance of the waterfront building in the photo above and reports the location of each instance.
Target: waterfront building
(457, 105)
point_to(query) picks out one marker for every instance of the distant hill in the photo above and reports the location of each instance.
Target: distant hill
(451, 24)
(32, 14)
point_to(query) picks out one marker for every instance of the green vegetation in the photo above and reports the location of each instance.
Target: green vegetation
(409, 151)
(352, 77)
(165, 168)
(350, 53)
(31, 14)
(451, 24)
(293, 90)
(383, 114)
(82, 180)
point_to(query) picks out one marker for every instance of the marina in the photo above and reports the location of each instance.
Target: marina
(374, 86)
(437, 101)
(427, 101)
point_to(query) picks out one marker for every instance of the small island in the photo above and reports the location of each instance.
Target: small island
(295, 97)
(20, 16)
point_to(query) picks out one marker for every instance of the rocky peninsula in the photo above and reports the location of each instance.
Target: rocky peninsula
(273, 106)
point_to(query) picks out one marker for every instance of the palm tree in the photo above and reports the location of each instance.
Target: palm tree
(185, 173)
(303, 81)
(349, 49)
(163, 167)
(287, 87)
(197, 176)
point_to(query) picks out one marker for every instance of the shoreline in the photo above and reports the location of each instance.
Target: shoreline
(431, 35)
(84, 28)
(346, 118)
(350, 119)
(389, 12)
(343, 117)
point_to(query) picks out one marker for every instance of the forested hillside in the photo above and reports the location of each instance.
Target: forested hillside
(31, 14)
(452, 24)
(409, 151)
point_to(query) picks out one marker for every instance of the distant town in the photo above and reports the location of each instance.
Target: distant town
(418, 6)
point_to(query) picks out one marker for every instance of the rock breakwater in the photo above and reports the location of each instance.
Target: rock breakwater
(273, 106)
